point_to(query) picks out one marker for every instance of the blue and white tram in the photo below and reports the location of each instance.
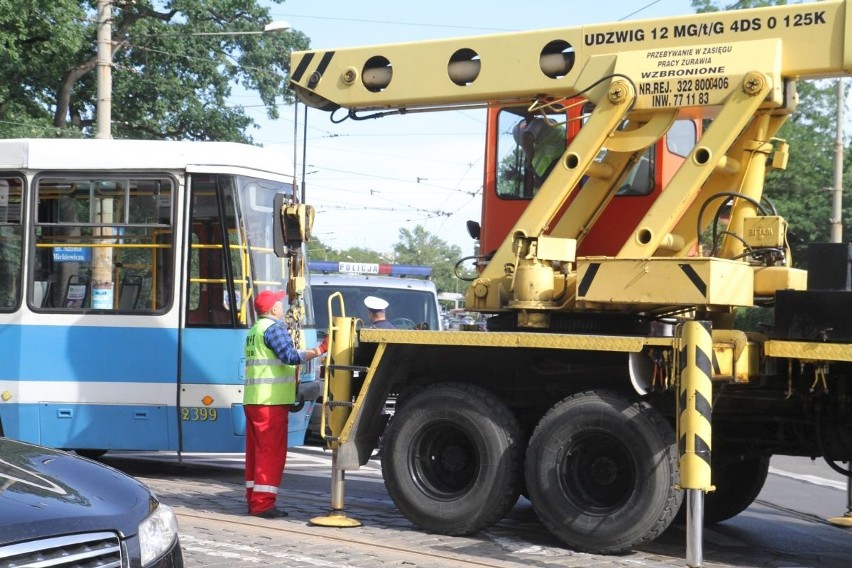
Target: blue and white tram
(127, 273)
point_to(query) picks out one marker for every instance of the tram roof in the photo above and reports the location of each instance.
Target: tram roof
(79, 154)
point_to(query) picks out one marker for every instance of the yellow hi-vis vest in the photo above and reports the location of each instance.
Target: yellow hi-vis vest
(549, 146)
(268, 379)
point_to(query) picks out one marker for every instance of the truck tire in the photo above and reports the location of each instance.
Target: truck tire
(737, 484)
(453, 458)
(601, 472)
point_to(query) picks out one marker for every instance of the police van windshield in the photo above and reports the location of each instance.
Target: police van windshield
(407, 308)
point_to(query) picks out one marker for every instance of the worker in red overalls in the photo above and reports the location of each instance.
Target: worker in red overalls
(270, 389)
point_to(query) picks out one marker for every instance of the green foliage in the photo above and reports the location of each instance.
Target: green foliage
(167, 83)
(317, 250)
(702, 6)
(509, 173)
(754, 319)
(799, 191)
(36, 49)
(416, 246)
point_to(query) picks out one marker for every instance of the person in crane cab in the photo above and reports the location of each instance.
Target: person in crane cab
(376, 307)
(543, 144)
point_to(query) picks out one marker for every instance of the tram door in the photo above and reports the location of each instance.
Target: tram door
(210, 416)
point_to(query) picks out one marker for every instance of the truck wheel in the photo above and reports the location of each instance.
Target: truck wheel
(601, 472)
(737, 486)
(452, 459)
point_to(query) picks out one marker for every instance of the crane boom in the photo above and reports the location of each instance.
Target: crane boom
(738, 68)
(669, 61)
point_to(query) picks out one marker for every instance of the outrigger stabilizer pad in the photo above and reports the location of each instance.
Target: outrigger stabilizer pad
(335, 519)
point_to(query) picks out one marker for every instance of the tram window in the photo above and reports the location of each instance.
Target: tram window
(214, 229)
(256, 198)
(152, 205)
(233, 214)
(94, 234)
(11, 232)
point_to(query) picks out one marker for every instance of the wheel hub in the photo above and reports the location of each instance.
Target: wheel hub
(444, 461)
(597, 473)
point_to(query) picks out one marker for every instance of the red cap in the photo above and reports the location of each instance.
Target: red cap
(265, 300)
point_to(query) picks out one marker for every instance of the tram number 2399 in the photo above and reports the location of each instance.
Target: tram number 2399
(198, 414)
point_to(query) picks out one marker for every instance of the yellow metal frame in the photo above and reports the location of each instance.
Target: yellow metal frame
(644, 72)
(507, 339)
(337, 392)
(808, 351)
(420, 74)
(649, 283)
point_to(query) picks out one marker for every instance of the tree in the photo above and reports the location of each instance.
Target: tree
(318, 250)
(361, 254)
(799, 192)
(702, 6)
(167, 82)
(418, 246)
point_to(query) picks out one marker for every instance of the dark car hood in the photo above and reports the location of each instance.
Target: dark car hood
(45, 492)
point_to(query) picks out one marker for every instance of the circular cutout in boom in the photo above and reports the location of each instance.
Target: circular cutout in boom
(464, 67)
(377, 74)
(557, 59)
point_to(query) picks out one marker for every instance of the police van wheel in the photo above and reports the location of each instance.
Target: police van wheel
(452, 459)
(601, 472)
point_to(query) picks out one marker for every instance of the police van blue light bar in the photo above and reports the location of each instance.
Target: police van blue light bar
(400, 270)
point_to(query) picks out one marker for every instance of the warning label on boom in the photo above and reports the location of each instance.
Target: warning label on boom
(699, 61)
(691, 76)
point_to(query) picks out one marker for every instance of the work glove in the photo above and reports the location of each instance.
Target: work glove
(322, 347)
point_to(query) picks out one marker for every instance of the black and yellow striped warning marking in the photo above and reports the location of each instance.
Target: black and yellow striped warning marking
(694, 405)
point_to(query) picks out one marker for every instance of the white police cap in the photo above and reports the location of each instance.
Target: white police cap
(374, 303)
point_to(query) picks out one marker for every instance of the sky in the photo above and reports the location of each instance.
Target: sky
(369, 179)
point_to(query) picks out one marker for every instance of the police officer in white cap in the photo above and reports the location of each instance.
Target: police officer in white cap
(377, 306)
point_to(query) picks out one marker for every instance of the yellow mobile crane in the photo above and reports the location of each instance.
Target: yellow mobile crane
(592, 392)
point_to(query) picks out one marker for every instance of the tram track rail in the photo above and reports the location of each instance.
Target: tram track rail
(358, 545)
